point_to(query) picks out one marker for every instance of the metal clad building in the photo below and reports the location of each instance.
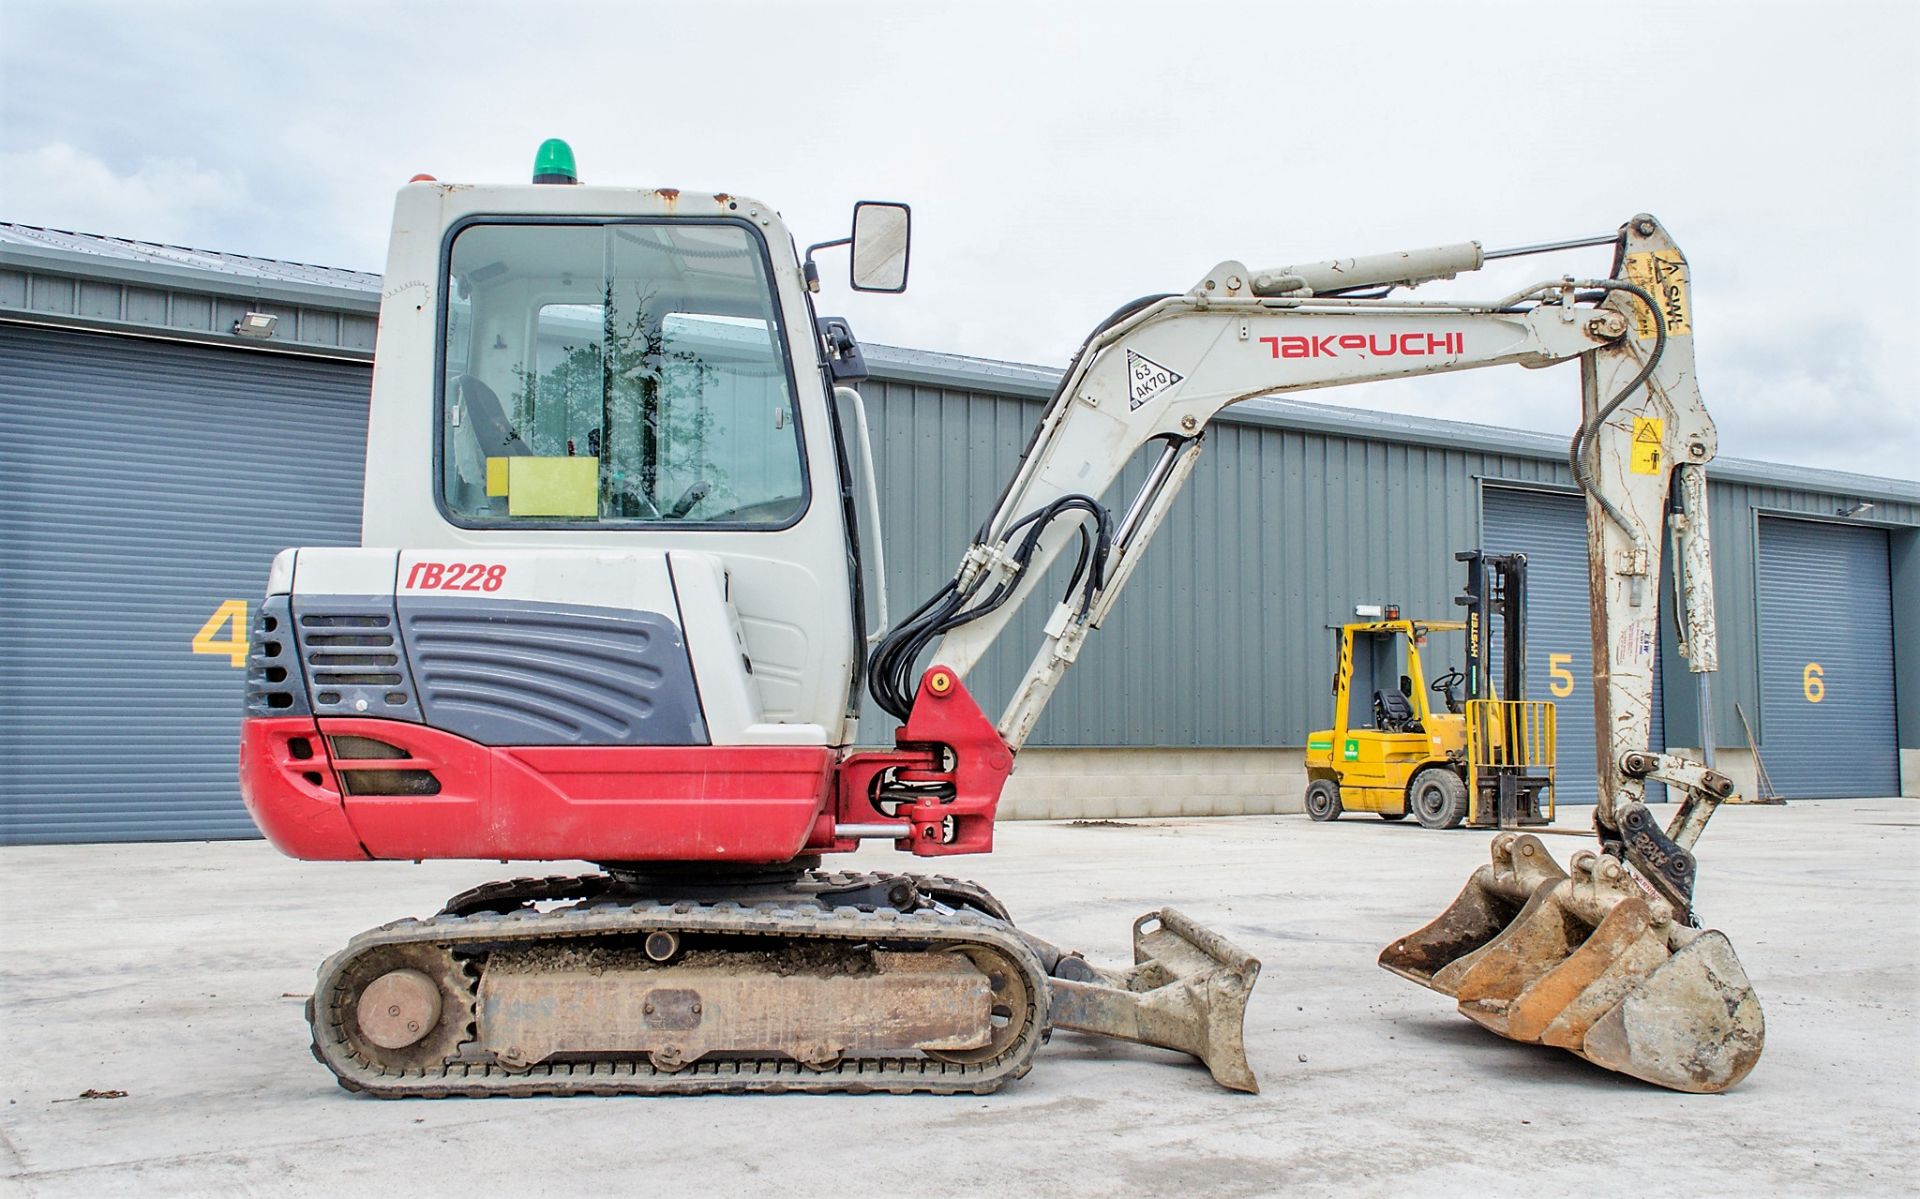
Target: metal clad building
(164, 458)
(154, 462)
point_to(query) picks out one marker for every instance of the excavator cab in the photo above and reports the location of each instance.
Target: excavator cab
(1477, 759)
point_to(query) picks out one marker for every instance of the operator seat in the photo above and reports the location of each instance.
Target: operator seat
(1392, 713)
(482, 432)
(487, 420)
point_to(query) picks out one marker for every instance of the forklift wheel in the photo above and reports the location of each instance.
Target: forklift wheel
(1438, 798)
(1323, 799)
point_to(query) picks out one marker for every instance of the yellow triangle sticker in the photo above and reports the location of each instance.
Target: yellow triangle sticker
(1648, 437)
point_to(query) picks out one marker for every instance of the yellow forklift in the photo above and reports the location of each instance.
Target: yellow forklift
(1487, 759)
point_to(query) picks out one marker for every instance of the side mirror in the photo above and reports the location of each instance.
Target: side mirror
(880, 246)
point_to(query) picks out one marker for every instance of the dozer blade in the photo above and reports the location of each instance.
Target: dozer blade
(1187, 991)
(1590, 962)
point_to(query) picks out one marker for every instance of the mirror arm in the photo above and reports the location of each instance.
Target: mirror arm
(810, 272)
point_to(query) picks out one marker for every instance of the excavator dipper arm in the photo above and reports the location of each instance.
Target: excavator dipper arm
(1607, 960)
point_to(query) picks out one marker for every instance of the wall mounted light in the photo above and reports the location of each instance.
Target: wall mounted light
(1857, 508)
(256, 324)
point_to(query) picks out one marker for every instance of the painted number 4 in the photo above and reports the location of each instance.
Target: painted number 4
(232, 616)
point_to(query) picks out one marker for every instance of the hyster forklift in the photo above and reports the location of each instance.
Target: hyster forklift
(612, 604)
(1487, 759)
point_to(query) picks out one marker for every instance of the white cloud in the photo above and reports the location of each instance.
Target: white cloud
(173, 200)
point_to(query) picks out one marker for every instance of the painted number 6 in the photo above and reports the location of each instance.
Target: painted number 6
(1813, 682)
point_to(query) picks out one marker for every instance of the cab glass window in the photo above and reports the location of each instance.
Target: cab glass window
(616, 373)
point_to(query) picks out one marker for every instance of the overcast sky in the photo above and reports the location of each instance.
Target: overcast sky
(1064, 158)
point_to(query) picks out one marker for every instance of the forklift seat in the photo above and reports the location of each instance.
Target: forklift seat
(1393, 714)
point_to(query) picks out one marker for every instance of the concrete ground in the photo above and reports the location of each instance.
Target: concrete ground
(176, 973)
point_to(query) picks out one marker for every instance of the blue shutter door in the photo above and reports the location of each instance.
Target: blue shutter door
(1826, 660)
(146, 483)
(1550, 528)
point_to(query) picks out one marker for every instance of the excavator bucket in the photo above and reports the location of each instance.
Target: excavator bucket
(1187, 991)
(1590, 962)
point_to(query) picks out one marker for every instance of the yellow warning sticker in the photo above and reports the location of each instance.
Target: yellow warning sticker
(1663, 273)
(1648, 432)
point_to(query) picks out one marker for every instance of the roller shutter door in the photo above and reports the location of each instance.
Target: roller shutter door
(1551, 530)
(1826, 660)
(148, 483)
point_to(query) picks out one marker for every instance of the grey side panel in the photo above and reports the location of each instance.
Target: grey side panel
(1826, 660)
(514, 672)
(1551, 530)
(275, 684)
(148, 483)
(350, 650)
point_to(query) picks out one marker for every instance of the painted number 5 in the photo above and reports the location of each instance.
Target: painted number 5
(232, 616)
(1562, 684)
(1813, 682)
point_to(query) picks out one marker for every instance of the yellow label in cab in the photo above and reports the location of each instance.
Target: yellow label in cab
(553, 487)
(1663, 273)
(1648, 433)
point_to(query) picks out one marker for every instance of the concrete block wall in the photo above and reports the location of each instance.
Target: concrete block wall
(1052, 783)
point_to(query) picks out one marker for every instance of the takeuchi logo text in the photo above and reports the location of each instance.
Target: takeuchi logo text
(1369, 345)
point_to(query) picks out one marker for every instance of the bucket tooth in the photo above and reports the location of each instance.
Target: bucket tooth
(1591, 962)
(1187, 991)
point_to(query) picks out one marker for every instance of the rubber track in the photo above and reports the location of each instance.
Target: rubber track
(773, 1074)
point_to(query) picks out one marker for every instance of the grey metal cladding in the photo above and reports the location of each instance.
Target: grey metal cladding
(275, 683)
(350, 649)
(520, 672)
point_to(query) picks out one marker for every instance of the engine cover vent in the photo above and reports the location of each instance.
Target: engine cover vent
(355, 665)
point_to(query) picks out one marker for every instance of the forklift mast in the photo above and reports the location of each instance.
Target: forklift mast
(1496, 591)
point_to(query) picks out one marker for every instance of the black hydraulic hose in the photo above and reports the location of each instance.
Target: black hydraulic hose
(890, 677)
(1577, 450)
(1073, 364)
(891, 674)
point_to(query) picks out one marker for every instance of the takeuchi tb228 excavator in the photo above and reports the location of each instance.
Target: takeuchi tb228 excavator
(610, 606)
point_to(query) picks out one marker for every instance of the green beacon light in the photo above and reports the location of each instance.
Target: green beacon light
(553, 163)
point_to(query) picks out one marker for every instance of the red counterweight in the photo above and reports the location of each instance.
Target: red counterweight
(411, 791)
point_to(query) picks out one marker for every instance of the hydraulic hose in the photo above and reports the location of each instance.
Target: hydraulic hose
(1577, 450)
(891, 677)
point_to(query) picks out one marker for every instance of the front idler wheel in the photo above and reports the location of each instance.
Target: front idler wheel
(1011, 1009)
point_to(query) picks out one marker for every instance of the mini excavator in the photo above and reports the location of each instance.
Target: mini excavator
(610, 605)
